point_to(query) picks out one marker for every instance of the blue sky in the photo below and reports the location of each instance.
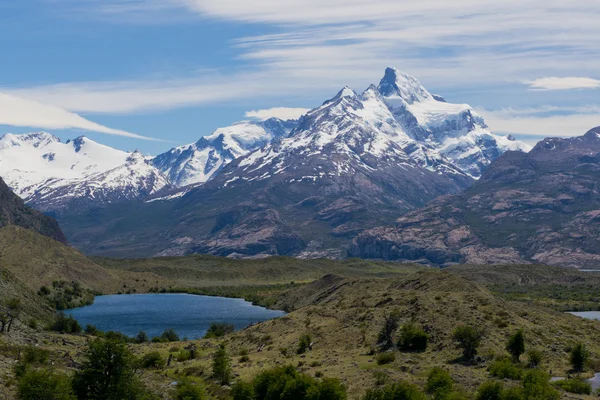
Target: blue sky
(122, 71)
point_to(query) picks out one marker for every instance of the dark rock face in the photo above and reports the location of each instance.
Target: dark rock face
(542, 206)
(13, 211)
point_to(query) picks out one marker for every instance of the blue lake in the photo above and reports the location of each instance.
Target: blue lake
(189, 315)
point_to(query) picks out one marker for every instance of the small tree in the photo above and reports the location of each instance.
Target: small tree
(439, 383)
(219, 329)
(468, 339)
(516, 345)
(107, 373)
(189, 390)
(141, 337)
(222, 366)
(536, 385)
(10, 310)
(490, 391)
(412, 338)
(385, 340)
(242, 391)
(305, 344)
(579, 357)
(534, 358)
(46, 385)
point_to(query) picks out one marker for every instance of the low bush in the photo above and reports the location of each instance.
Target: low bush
(152, 360)
(534, 358)
(490, 391)
(183, 355)
(35, 355)
(64, 324)
(396, 391)
(219, 329)
(189, 390)
(288, 383)
(503, 368)
(412, 338)
(169, 335)
(439, 383)
(385, 358)
(46, 385)
(577, 386)
(536, 385)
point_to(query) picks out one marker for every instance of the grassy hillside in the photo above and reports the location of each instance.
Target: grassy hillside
(37, 260)
(344, 316)
(563, 289)
(204, 270)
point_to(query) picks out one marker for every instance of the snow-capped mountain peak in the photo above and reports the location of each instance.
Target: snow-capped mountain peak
(199, 162)
(35, 139)
(398, 85)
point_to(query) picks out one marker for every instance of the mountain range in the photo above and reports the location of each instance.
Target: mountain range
(301, 187)
(542, 206)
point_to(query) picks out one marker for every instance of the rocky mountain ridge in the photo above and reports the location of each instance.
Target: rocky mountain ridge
(542, 206)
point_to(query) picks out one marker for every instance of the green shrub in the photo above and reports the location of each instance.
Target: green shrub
(385, 358)
(46, 385)
(189, 390)
(33, 324)
(141, 337)
(64, 324)
(219, 329)
(579, 357)
(381, 378)
(107, 373)
(305, 344)
(92, 330)
(536, 386)
(117, 337)
(439, 383)
(287, 383)
(412, 338)
(152, 360)
(183, 355)
(516, 345)
(35, 355)
(468, 339)
(577, 386)
(490, 391)
(170, 335)
(514, 393)
(503, 368)
(396, 391)
(534, 358)
(242, 391)
(221, 365)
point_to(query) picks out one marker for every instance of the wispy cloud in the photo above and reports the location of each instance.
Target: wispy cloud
(316, 46)
(544, 121)
(16, 111)
(568, 83)
(284, 113)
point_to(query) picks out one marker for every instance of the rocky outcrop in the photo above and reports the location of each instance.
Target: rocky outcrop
(13, 211)
(541, 207)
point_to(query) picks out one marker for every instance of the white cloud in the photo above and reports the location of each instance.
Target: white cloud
(16, 111)
(284, 113)
(317, 46)
(554, 83)
(531, 122)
